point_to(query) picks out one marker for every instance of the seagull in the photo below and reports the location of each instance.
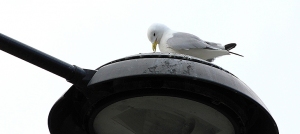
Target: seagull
(171, 41)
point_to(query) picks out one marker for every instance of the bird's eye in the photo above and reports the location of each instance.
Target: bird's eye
(154, 34)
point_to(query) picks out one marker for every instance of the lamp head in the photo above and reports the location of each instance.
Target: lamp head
(161, 93)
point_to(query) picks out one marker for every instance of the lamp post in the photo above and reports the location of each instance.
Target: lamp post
(150, 93)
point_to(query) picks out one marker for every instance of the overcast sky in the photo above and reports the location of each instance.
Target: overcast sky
(90, 34)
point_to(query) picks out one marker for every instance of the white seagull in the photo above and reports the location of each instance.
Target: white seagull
(171, 41)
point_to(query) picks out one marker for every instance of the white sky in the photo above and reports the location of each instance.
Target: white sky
(90, 34)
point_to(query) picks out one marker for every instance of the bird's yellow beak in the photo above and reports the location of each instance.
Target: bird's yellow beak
(154, 45)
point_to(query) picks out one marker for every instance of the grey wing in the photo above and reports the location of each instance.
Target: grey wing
(187, 41)
(217, 45)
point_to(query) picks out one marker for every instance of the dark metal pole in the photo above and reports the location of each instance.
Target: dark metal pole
(70, 72)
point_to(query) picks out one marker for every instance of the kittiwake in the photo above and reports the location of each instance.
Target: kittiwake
(171, 41)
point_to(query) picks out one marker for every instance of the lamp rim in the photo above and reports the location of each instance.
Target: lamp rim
(208, 97)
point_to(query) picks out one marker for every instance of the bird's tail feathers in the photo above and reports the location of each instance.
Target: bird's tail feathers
(230, 46)
(236, 54)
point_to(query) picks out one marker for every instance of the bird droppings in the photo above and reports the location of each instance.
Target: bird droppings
(173, 71)
(168, 65)
(180, 58)
(153, 69)
(188, 69)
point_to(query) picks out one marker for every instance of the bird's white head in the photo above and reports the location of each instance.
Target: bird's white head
(155, 33)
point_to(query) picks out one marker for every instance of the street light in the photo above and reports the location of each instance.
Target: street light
(152, 93)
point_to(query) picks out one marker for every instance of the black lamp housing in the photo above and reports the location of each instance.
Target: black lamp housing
(147, 75)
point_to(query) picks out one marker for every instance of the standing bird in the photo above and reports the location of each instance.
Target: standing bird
(171, 41)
